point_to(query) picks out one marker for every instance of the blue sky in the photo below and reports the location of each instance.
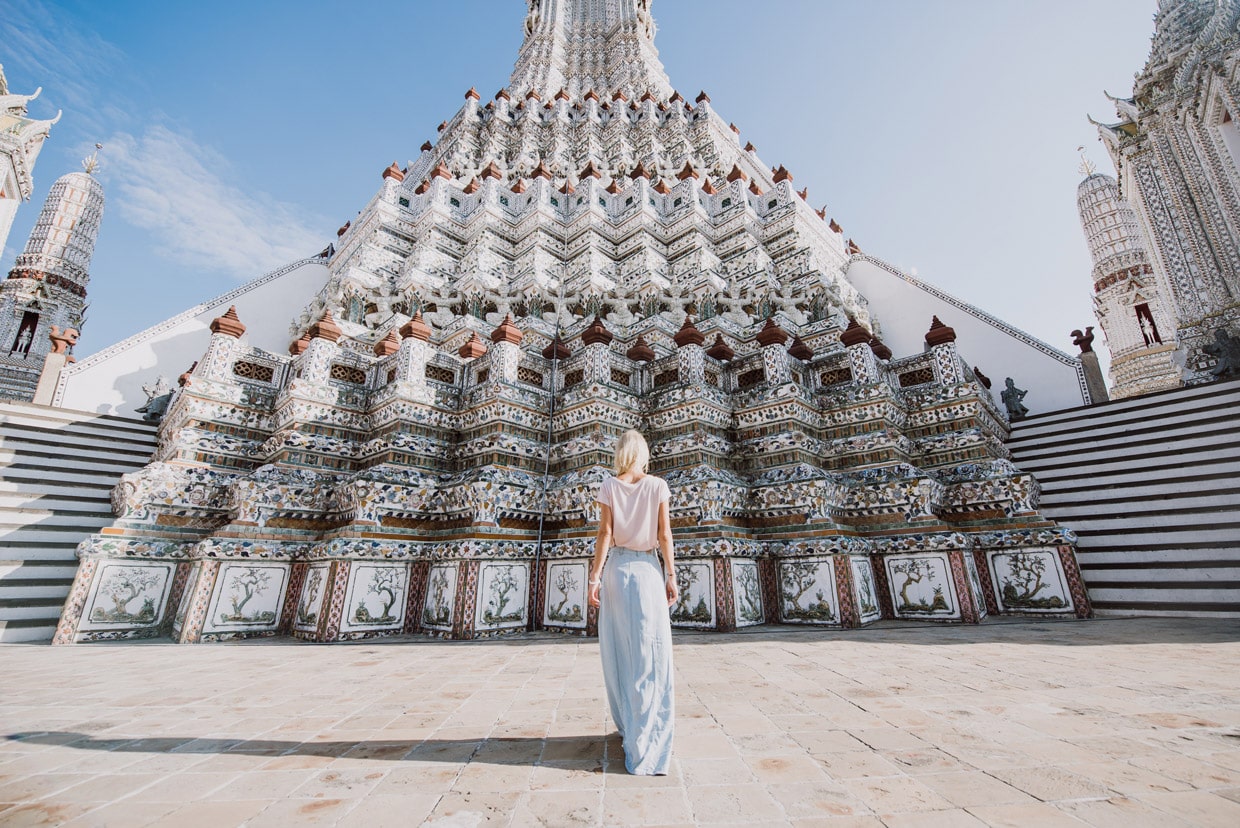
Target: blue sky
(238, 136)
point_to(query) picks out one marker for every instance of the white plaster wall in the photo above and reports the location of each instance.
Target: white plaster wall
(110, 381)
(904, 307)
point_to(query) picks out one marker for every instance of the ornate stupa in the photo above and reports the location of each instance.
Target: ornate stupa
(43, 301)
(1176, 149)
(585, 252)
(1128, 301)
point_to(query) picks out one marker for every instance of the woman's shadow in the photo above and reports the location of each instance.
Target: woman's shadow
(564, 751)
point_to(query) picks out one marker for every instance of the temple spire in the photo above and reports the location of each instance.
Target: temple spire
(579, 45)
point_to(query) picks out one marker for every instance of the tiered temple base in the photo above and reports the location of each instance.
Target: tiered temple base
(440, 485)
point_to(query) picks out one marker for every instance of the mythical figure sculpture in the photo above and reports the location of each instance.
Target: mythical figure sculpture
(1084, 341)
(157, 398)
(1012, 396)
(1226, 351)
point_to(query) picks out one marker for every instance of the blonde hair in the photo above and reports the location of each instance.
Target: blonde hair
(631, 452)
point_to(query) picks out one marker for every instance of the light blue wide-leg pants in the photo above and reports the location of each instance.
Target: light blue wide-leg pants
(635, 639)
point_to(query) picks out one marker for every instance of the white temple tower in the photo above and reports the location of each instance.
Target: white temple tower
(21, 138)
(1176, 149)
(1127, 300)
(45, 293)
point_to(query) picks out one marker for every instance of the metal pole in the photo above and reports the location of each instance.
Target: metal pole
(542, 511)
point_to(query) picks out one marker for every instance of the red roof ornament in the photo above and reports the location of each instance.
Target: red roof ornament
(641, 351)
(618, 96)
(491, 170)
(709, 188)
(473, 348)
(854, 334)
(532, 94)
(688, 334)
(590, 95)
(804, 194)
(228, 324)
(541, 171)
(427, 146)
(640, 171)
(737, 174)
(662, 187)
(421, 188)
(472, 187)
(503, 93)
(507, 331)
(702, 98)
(687, 172)
(415, 328)
(568, 188)
(394, 171)
(613, 187)
(675, 97)
(596, 332)
(771, 334)
(939, 333)
(720, 349)
(441, 171)
(298, 346)
(590, 170)
(754, 188)
(472, 95)
(389, 345)
(852, 248)
(326, 328)
(562, 95)
(782, 174)
(344, 228)
(799, 350)
(880, 350)
(835, 225)
(519, 187)
(556, 350)
(749, 147)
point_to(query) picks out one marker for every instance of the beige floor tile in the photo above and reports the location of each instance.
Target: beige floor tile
(823, 800)
(1120, 812)
(1199, 807)
(645, 806)
(733, 803)
(967, 789)
(1039, 814)
(895, 794)
(700, 772)
(397, 811)
(1049, 783)
(557, 809)
(786, 770)
(185, 787)
(473, 809)
(334, 784)
(853, 764)
(838, 822)
(32, 814)
(289, 812)
(954, 818)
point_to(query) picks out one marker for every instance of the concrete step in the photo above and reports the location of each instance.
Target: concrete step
(1185, 557)
(51, 534)
(1114, 502)
(13, 434)
(37, 479)
(44, 518)
(1148, 407)
(90, 500)
(62, 552)
(1132, 490)
(15, 571)
(1163, 466)
(1124, 532)
(71, 451)
(1228, 444)
(19, 609)
(30, 589)
(27, 630)
(1222, 426)
(11, 463)
(1171, 596)
(42, 416)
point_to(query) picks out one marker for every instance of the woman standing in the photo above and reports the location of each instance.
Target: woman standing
(634, 629)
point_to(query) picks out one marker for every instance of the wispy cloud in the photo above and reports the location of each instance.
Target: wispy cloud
(170, 186)
(66, 59)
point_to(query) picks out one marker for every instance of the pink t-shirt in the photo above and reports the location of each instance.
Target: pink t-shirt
(635, 510)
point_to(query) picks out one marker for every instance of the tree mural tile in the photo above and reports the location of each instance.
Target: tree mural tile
(128, 595)
(921, 586)
(696, 607)
(247, 598)
(566, 595)
(1030, 581)
(376, 598)
(503, 588)
(440, 595)
(867, 593)
(747, 592)
(807, 591)
(310, 603)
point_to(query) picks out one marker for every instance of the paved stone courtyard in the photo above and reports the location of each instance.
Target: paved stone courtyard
(1122, 722)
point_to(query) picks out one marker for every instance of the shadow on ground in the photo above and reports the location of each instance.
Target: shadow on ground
(488, 750)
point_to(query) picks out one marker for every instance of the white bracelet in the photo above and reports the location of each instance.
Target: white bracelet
(595, 580)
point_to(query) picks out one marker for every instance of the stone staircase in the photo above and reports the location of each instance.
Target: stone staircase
(57, 470)
(1152, 487)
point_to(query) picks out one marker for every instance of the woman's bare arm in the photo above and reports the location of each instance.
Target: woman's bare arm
(665, 547)
(602, 544)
